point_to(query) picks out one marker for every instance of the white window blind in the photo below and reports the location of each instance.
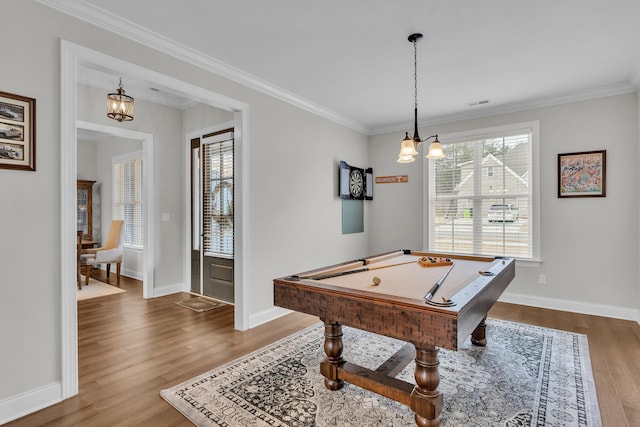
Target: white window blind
(128, 198)
(481, 197)
(218, 181)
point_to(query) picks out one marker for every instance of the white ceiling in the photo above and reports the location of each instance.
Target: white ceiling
(351, 60)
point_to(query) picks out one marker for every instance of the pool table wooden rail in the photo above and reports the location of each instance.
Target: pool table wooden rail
(406, 318)
(398, 317)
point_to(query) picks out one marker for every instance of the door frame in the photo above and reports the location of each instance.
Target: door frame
(70, 55)
(188, 203)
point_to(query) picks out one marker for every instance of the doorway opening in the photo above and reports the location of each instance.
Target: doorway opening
(146, 141)
(71, 55)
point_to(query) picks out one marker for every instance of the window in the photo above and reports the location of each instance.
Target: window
(218, 180)
(481, 195)
(128, 197)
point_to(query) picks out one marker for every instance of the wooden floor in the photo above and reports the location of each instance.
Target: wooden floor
(131, 348)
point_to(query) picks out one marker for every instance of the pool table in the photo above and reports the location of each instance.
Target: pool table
(395, 294)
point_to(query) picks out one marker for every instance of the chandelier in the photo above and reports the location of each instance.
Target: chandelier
(408, 147)
(119, 105)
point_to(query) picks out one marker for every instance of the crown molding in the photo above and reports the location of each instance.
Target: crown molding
(99, 17)
(547, 101)
(635, 78)
(108, 21)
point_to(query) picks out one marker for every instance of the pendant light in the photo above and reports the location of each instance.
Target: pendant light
(408, 147)
(119, 105)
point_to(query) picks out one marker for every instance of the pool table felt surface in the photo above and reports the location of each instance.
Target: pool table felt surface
(412, 280)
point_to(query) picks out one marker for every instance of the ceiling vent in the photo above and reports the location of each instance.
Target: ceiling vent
(473, 104)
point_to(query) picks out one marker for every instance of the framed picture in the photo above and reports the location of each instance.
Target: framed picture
(582, 174)
(17, 132)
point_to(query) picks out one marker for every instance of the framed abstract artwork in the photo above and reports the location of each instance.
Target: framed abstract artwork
(17, 132)
(582, 174)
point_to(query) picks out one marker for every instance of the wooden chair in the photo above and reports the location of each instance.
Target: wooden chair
(85, 262)
(111, 251)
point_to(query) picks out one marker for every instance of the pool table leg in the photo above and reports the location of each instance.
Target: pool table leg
(426, 400)
(333, 360)
(479, 334)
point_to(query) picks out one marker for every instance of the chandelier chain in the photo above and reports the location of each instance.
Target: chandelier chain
(415, 72)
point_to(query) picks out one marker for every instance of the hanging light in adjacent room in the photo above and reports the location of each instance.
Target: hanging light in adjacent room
(409, 145)
(119, 105)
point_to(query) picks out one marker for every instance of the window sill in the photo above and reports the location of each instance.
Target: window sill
(528, 263)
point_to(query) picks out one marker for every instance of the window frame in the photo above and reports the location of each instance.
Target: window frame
(122, 159)
(219, 139)
(534, 178)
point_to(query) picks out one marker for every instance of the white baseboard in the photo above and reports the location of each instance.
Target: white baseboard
(573, 306)
(25, 403)
(30, 401)
(541, 302)
(267, 316)
(134, 274)
(167, 290)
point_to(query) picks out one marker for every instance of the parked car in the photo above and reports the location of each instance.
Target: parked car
(9, 132)
(503, 213)
(7, 152)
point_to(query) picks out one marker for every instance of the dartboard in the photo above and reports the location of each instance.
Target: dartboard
(356, 183)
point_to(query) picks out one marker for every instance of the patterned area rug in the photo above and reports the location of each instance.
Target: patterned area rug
(525, 376)
(200, 304)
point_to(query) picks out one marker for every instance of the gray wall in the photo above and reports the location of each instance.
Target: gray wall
(294, 222)
(294, 218)
(589, 246)
(202, 116)
(87, 160)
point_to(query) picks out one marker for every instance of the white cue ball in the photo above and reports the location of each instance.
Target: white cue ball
(376, 280)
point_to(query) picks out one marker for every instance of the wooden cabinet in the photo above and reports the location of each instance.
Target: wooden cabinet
(85, 208)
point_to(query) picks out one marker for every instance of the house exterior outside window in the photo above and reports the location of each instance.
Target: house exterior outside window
(128, 197)
(481, 197)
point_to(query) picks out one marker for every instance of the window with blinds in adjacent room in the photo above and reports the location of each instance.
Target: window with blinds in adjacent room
(128, 198)
(481, 195)
(218, 181)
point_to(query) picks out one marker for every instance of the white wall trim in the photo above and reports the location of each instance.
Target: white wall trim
(242, 231)
(572, 306)
(168, 290)
(490, 111)
(22, 404)
(134, 274)
(267, 315)
(508, 297)
(70, 55)
(116, 24)
(68, 176)
(635, 77)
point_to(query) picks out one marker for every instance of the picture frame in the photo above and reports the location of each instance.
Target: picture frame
(17, 132)
(582, 174)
